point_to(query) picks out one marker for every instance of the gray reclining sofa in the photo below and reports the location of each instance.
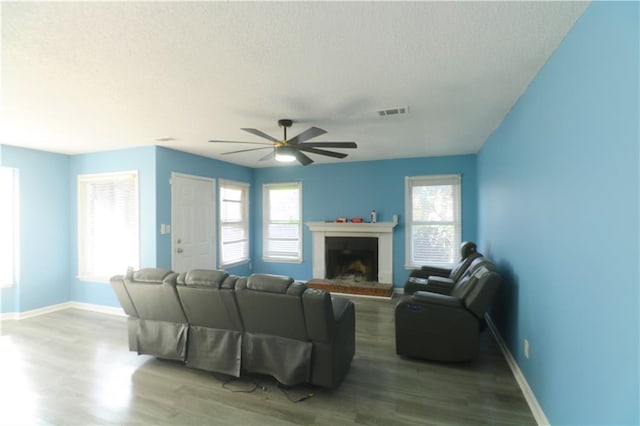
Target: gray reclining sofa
(221, 323)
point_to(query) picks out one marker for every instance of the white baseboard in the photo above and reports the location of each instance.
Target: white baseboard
(35, 312)
(398, 290)
(66, 305)
(530, 397)
(110, 310)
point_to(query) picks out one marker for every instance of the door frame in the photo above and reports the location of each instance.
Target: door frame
(214, 209)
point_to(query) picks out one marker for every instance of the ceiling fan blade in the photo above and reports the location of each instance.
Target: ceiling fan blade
(269, 156)
(311, 132)
(251, 143)
(245, 150)
(261, 134)
(302, 158)
(321, 151)
(330, 144)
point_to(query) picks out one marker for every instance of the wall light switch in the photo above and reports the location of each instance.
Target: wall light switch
(165, 229)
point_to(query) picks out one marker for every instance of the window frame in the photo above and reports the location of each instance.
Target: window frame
(433, 180)
(245, 222)
(83, 180)
(266, 221)
(13, 226)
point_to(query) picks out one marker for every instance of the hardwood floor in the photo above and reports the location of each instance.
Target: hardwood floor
(74, 367)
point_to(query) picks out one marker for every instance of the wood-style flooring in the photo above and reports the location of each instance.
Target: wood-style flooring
(74, 367)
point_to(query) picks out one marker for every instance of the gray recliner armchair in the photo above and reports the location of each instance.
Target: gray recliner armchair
(446, 327)
(442, 280)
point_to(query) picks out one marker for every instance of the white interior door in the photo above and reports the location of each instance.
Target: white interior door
(193, 219)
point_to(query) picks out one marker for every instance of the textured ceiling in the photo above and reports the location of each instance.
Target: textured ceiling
(92, 76)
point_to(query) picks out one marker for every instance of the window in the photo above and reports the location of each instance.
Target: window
(434, 229)
(8, 226)
(234, 222)
(108, 232)
(282, 226)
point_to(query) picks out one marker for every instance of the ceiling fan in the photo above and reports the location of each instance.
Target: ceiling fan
(287, 150)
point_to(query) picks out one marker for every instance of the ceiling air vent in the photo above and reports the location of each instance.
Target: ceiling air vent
(393, 111)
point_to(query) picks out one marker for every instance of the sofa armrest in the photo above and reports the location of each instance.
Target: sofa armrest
(318, 315)
(429, 298)
(440, 285)
(340, 306)
(420, 277)
(434, 271)
(117, 284)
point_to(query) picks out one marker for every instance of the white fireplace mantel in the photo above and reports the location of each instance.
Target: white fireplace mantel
(351, 227)
(383, 231)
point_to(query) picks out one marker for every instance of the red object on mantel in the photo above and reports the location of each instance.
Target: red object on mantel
(357, 220)
(341, 220)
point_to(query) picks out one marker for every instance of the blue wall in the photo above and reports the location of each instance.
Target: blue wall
(48, 183)
(48, 217)
(558, 210)
(168, 161)
(353, 190)
(43, 271)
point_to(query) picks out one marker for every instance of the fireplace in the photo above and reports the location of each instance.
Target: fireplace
(351, 258)
(381, 233)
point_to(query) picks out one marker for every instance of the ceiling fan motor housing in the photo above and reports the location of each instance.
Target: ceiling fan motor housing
(285, 122)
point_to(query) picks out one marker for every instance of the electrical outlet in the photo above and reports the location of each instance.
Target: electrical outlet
(526, 348)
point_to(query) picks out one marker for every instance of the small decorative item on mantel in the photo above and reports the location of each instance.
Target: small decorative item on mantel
(356, 220)
(341, 220)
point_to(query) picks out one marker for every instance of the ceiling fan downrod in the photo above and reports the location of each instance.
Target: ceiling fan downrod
(285, 123)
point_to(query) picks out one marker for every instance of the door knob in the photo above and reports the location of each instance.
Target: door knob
(179, 250)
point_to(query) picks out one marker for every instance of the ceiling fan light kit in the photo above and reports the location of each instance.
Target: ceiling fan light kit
(284, 154)
(288, 150)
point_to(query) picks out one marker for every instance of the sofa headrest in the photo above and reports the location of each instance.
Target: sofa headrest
(467, 248)
(269, 283)
(149, 275)
(203, 278)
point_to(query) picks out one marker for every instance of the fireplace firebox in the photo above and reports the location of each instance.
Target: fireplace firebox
(351, 258)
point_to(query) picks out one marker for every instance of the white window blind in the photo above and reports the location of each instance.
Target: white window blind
(8, 226)
(108, 225)
(234, 222)
(282, 222)
(434, 225)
